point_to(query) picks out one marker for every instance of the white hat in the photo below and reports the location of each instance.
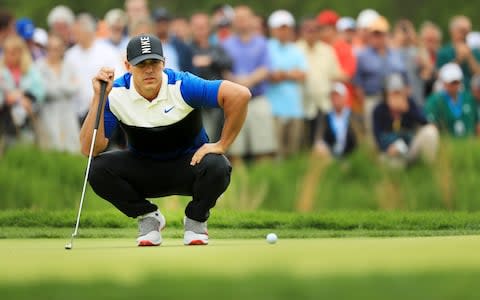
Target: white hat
(366, 17)
(40, 36)
(450, 72)
(394, 82)
(60, 13)
(339, 88)
(281, 18)
(345, 23)
(473, 40)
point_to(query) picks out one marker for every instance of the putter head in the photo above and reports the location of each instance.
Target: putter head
(69, 246)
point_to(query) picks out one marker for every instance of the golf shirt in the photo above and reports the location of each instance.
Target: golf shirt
(170, 125)
(286, 96)
(458, 118)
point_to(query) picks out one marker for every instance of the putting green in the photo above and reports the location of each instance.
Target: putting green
(30, 260)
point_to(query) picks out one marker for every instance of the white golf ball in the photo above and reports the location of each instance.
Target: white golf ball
(272, 238)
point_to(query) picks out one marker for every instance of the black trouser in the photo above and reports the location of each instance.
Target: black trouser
(126, 179)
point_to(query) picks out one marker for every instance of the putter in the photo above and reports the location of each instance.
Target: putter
(103, 87)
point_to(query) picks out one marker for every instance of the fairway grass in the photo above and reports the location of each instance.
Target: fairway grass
(364, 268)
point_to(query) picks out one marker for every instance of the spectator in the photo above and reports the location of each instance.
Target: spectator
(7, 26)
(417, 63)
(136, 10)
(210, 62)
(374, 64)
(222, 17)
(40, 39)
(475, 86)
(346, 27)
(322, 71)
(457, 51)
(365, 18)
(288, 66)
(86, 58)
(26, 30)
(261, 27)
(327, 21)
(60, 21)
(143, 26)
(251, 64)
(23, 92)
(178, 55)
(116, 21)
(430, 40)
(401, 129)
(57, 114)
(180, 28)
(337, 136)
(453, 109)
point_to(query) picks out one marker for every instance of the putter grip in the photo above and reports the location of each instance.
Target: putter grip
(103, 88)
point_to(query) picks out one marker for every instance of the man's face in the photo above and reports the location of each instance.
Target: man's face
(338, 101)
(200, 27)
(147, 75)
(431, 40)
(397, 101)
(453, 87)
(309, 30)
(283, 33)
(378, 39)
(243, 21)
(460, 30)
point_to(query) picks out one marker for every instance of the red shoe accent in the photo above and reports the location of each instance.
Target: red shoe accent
(146, 243)
(197, 243)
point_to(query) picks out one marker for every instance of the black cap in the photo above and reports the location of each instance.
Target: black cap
(161, 14)
(142, 47)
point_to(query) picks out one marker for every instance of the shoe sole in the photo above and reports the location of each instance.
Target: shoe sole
(197, 243)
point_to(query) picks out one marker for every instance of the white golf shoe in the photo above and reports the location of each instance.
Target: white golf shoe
(149, 227)
(195, 232)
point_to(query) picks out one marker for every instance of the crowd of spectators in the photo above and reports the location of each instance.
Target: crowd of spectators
(323, 82)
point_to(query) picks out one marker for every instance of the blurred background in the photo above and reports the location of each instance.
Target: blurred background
(363, 105)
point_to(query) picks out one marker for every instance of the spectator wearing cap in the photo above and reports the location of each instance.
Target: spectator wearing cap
(116, 22)
(364, 19)
(346, 27)
(323, 69)
(288, 66)
(87, 56)
(178, 55)
(374, 64)
(430, 42)
(457, 51)
(26, 30)
(337, 135)
(452, 109)
(60, 21)
(402, 132)
(7, 26)
(417, 63)
(210, 62)
(251, 66)
(327, 20)
(222, 18)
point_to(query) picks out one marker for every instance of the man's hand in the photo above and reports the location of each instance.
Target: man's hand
(204, 150)
(463, 52)
(392, 151)
(105, 74)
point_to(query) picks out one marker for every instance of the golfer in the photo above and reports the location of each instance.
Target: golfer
(169, 152)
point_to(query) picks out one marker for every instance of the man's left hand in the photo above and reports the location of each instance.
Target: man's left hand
(204, 150)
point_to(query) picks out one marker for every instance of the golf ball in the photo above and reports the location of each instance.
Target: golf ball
(271, 238)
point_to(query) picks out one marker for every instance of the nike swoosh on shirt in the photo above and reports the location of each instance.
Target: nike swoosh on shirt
(169, 109)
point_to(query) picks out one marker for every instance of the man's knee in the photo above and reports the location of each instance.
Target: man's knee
(216, 165)
(98, 168)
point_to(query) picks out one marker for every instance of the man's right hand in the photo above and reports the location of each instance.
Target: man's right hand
(105, 74)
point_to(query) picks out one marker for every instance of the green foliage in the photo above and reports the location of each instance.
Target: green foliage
(34, 179)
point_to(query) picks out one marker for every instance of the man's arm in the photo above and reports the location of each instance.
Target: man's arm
(86, 132)
(233, 98)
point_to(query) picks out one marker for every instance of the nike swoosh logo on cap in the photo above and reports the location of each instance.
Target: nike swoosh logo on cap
(167, 110)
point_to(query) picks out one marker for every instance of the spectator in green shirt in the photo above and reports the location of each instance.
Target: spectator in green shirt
(458, 51)
(452, 109)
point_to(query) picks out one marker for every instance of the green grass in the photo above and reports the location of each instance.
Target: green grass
(350, 268)
(34, 179)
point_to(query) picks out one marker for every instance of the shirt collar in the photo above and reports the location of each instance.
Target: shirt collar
(162, 94)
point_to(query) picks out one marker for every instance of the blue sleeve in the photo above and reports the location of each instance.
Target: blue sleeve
(110, 122)
(198, 92)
